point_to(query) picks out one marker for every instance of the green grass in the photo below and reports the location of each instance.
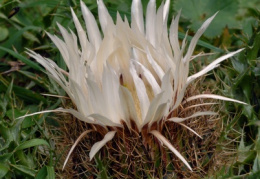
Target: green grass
(26, 147)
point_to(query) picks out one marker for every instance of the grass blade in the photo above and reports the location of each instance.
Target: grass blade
(23, 59)
(201, 43)
(32, 143)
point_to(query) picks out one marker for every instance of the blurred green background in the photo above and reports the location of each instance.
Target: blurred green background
(26, 146)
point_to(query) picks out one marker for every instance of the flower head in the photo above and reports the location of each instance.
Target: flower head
(125, 73)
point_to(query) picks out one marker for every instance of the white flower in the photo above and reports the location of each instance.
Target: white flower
(124, 73)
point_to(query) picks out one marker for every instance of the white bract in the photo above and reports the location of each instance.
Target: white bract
(135, 72)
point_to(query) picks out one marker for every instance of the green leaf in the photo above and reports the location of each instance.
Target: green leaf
(32, 143)
(15, 113)
(29, 95)
(46, 172)
(247, 87)
(4, 33)
(256, 166)
(247, 26)
(256, 71)
(42, 174)
(5, 133)
(245, 153)
(52, 122)
(13, 38)
(28, 122)
(200, 43)
(254, 49)
(51, 172)
(3, 170)
(11, 133)
(197, 11)
(26, 170)
(6, 3)
(23, 93)
(30, 36)
(102, 168)
(3, 104)
(36, 78)
(248, 4)
(254, 175)
(22, 58)
(9, 89)
(248, 111)
(5, 157)
(49, 3)
(240, 64)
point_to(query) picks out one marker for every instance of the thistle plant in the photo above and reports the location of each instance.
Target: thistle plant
(129, 77)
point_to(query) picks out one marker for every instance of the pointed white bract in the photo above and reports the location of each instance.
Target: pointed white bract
(138, 73)
(74, 145)
(160, 137)
(98, 145)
